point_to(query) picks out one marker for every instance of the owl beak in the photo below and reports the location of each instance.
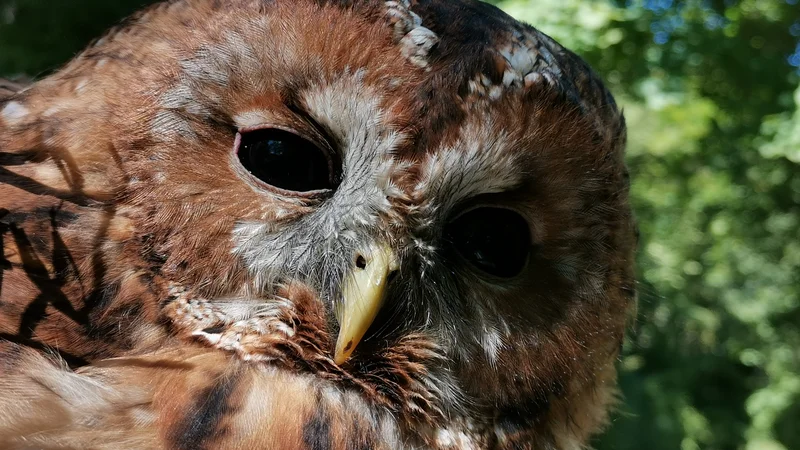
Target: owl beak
(362, 297)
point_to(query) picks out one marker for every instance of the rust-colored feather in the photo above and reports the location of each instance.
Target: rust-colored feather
(156, 293)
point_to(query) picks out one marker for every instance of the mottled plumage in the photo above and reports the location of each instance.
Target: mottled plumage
(163, 287)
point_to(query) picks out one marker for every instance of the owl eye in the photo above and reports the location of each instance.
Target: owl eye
(495, 240)
(285, 160)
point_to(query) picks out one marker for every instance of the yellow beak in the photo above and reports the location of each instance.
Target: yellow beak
(362, 297)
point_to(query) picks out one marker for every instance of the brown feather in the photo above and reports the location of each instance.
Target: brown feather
(140, 305)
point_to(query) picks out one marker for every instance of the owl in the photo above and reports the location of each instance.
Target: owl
(313, 224)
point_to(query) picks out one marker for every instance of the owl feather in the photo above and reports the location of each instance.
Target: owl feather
(313, 224)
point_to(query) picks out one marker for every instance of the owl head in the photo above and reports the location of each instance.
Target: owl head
(422, 203)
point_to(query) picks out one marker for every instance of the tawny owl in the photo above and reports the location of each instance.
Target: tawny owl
(342, 224)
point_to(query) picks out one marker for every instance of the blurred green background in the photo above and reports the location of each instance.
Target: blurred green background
(711, 91)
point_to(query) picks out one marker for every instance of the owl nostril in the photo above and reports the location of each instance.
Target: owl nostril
(361, 263)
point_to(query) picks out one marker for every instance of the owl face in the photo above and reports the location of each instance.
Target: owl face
(423, 202)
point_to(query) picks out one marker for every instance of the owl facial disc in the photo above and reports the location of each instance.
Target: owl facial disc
(362, 297)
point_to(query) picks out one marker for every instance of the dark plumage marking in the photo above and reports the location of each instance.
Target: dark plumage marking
(4, 263)
(34, 187)
(214, 330)
(317, 431)
(524, 412)
(19, 341)
(50, 285)
(362, 436)
(50, 289)
(101, 295)
(63, 262)
(19, 158)
(366, 444)
(201, 425)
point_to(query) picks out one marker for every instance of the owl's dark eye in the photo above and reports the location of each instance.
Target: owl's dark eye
(495, 240)
(285, 160)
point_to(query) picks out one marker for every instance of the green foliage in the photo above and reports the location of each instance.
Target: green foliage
(37, 36)
(713, 107)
